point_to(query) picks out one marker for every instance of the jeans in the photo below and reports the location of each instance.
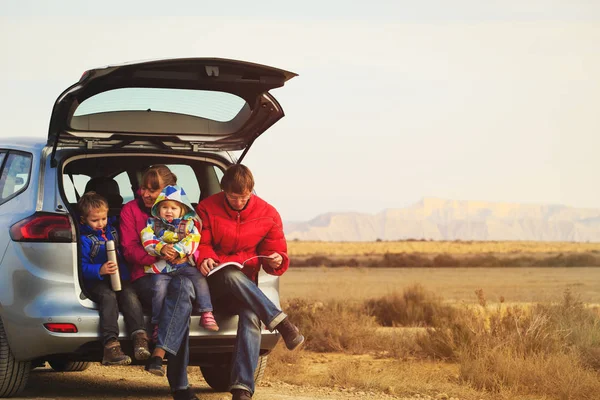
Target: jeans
(173, 325)
(111, 302)
(252, 307)
(160, 284)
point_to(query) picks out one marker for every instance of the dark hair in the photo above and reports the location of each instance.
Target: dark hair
(90, 201)
(158, 176)
(237, 179)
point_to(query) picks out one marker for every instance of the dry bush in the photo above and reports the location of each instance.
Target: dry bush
(334, 326)
(413, 307)
(557, 375)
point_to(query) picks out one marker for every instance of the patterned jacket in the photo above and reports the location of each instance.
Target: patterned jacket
(183, 233)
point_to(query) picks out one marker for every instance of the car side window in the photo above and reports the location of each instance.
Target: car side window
(73, 184)
(124, 186)
(16, 172)
(186, 178)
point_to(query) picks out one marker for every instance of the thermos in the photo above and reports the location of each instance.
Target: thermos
(111, 253)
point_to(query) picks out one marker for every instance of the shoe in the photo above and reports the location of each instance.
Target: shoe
(240, 394)
(113, 355)
(207, 321)
(140, 346)
(290, 333)
(154, 366)
(185, 394)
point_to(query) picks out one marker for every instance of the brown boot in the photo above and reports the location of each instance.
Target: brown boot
(140, 346)
(113, 355)
(291, 335)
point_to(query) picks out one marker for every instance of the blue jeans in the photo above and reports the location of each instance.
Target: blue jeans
(161, 282)
(174, 325)
(252, 307)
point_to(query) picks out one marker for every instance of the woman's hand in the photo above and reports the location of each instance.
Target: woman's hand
(207, 265)
(274, 261)
(109, 268)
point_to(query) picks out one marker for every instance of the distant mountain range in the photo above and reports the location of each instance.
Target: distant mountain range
(439, 219)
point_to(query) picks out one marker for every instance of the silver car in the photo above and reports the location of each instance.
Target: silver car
(108, 127)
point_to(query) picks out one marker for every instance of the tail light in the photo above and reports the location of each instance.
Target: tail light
(61, 327)
(43, 227)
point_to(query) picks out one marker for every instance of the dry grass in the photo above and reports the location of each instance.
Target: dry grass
(300, 248)
(498, 351)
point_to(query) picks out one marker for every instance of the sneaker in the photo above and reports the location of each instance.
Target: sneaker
(240, 394)
(154, 366)
(185, 394)
(113, 355)
(140, 346)
(290, 333)
(207, 321)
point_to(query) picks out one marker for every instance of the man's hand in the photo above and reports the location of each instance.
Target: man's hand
(207, 265)
(274, 261)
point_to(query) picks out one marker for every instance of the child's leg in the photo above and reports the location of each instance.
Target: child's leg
(109, 327)
(130, 306)
(203, 301)
(198, 280)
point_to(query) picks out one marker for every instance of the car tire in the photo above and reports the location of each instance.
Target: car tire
(69, 366)
(13, 374)
(218, 377)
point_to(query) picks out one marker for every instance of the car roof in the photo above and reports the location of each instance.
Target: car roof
(27, 143)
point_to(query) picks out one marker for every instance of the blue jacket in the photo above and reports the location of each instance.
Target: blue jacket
(93, 252)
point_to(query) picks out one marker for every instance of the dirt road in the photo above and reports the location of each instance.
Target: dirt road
(108, 383)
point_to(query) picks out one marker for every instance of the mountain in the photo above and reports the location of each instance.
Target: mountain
(440, 219)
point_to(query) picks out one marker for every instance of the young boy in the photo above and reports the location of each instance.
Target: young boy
(95, 230)
(173, 234)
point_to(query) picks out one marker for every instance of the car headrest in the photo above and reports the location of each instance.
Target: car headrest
(107, 187)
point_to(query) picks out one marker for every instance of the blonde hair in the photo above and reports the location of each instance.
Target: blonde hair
(90, 201)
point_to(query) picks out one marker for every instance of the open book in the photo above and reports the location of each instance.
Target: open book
(234, 263)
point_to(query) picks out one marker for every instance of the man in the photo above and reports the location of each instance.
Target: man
(239, 226)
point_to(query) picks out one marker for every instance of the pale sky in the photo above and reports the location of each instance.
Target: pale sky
(395, 101)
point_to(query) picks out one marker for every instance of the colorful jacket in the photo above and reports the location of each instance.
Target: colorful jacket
(183, 233)
(229, 235)
(93, 251)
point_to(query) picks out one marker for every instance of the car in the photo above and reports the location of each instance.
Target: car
(193, 114)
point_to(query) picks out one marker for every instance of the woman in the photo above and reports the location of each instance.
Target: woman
(177, 308)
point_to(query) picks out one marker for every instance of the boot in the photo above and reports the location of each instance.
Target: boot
(240, 394)
(154, 366)
(184, 394)
(113, 355)
(140, 346)
(291, 335)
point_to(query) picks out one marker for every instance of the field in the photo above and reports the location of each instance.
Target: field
(452, 284)
(497, 332)
(300, 248)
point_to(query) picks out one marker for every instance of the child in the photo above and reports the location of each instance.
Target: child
(95, 230)
(173, 233)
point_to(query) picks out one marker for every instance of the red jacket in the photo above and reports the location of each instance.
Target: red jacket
(229, 235)
(132, 220)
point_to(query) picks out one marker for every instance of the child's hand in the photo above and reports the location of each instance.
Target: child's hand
(169, 253)
(109, 268)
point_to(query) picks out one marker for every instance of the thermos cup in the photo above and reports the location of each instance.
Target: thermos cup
(111, 253)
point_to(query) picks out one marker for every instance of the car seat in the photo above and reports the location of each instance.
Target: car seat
(109, 188)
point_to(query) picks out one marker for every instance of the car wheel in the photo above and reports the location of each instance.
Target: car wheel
(69, 366)
(218, 377)
(13, 373)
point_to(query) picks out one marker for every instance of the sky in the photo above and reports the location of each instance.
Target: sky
(395, 100)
